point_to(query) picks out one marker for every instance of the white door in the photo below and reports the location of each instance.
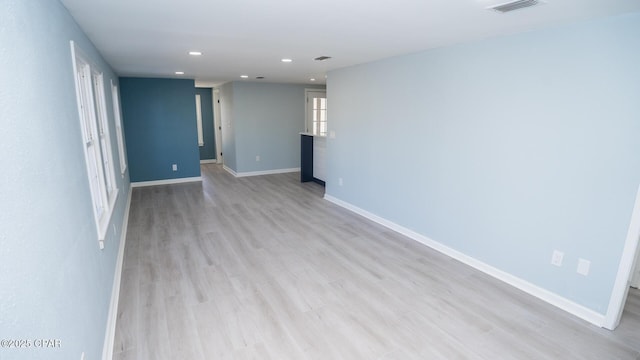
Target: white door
(316, 109)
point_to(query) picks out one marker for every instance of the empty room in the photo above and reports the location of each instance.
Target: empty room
(297, 180)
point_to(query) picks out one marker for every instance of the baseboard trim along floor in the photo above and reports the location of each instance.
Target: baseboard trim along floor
(259, 173)
(531, 289)
(110, 333)
(166, 182)
(265, 268)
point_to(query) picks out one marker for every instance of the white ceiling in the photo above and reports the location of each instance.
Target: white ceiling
(151, 38)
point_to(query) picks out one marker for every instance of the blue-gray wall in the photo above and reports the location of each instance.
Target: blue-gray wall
(55, 283)
(503, 149)
(208, 151)
(266, 121)
(159, 119)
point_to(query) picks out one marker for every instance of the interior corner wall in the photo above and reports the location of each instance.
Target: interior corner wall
(503, 149)
(159, 120)
(56, 283)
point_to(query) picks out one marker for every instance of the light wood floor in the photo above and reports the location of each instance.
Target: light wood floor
(264, 268)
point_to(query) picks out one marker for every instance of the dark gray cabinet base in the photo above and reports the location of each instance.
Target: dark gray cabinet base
(306, 159)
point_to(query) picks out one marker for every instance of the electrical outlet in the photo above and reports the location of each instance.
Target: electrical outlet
(257, 157)
(583, 267)
(556, 258)
(340, 182)
(174, 167)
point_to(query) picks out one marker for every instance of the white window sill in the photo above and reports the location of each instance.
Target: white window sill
(103, 223)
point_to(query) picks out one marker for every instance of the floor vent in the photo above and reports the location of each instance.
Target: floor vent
(514, 5)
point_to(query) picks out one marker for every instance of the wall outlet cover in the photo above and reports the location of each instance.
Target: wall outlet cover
(556, 258)
(583, 267)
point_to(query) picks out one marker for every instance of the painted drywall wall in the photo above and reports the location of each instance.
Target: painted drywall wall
(267, 120)
(208, 151)
(159, 119)
(55, 283)
(503, 149)
(228, 126)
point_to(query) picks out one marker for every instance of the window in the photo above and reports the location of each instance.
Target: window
(95, 138)
(316, 108)
(319, 108)
(199, 120)
(115, 95)
(103, 134)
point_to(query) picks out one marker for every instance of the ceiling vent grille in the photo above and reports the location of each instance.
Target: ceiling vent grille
(514, 5)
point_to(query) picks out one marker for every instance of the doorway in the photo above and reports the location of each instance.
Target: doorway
(217, 124)
(206, 127)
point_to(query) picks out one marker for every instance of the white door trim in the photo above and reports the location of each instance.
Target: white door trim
(625, 269)
(217, 124)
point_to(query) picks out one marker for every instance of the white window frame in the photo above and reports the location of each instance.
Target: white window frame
(95, 135)
(115, 96)
(199, 120)
(319, 125)
(313, 121)
(104, 134)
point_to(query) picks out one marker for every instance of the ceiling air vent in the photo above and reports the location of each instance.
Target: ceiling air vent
(514, 5)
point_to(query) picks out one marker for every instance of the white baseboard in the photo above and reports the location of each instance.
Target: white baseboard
(534, 290)
(165, 182)
(209, 161)
(110, 333)
(258, 173)
(230, 170)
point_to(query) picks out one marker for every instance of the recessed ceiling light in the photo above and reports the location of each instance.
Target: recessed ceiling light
(179, 72)
(244, 76)
(285, 60)
(322, 58)
(514, 5)
(312, 79)
(195, 53)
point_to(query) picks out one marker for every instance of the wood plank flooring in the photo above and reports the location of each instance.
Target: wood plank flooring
(264, 268)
